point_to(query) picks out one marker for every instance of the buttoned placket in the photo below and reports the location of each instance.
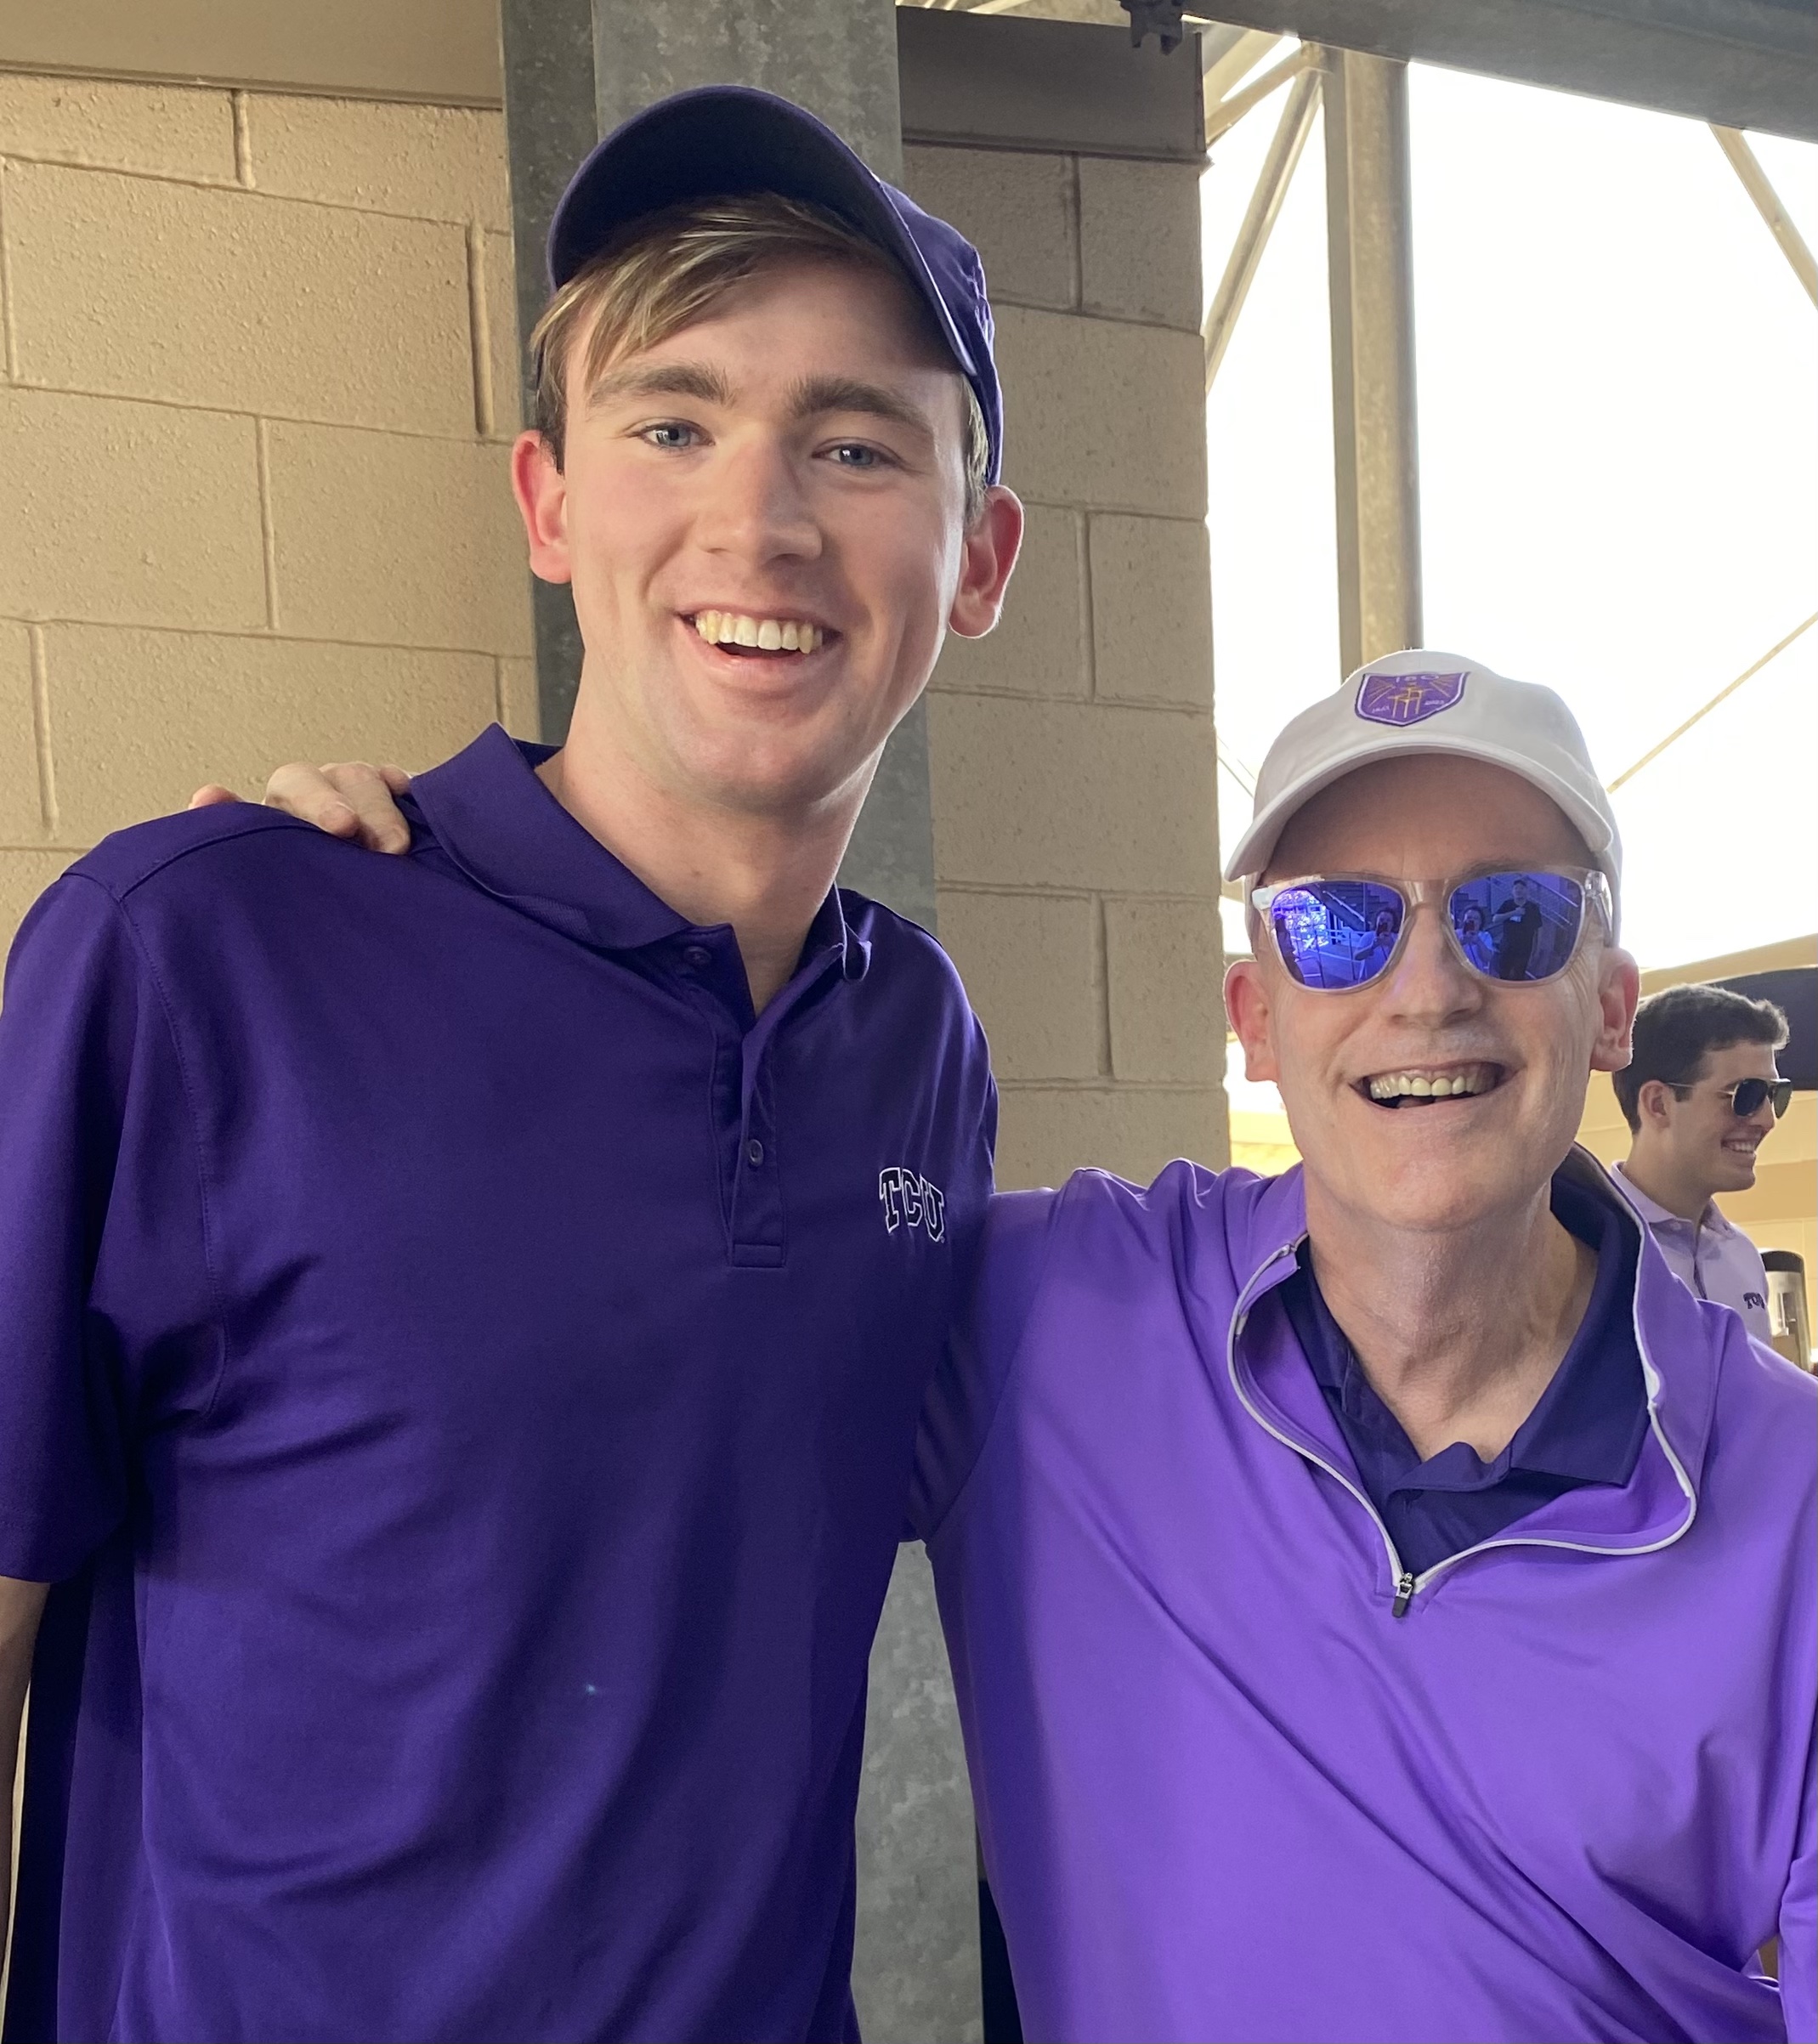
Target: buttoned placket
(713, 974)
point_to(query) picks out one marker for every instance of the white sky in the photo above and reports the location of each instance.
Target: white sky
(1618, 416)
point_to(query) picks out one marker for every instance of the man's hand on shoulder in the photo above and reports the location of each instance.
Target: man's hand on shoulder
(347, 799)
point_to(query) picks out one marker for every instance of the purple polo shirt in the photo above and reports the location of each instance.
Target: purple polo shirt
(1225, 1795)
(460, 1370)
(1710, 1255)
(1587, 1426)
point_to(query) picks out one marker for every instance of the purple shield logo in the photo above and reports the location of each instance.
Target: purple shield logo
(1407, 699)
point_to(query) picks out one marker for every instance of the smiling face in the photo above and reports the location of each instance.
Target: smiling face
(1432, 1160)
(763, 519)
(1700, 1140)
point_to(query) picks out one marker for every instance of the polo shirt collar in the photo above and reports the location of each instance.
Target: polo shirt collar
(509, 835)
(1656, 1215)
(1588, 1424)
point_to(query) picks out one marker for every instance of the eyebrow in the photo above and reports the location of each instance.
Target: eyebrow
(812, 397)
(663, 380)
(815, 396)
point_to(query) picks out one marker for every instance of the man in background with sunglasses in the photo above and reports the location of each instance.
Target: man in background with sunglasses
(1702, 1095)
(1381, 1599)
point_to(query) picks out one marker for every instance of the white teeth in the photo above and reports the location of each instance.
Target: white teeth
(767, 635)
(1418, 1085)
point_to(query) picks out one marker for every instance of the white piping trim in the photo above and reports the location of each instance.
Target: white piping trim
(1651, 1378)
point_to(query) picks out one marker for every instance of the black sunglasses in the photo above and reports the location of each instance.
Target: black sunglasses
(1746, 1096)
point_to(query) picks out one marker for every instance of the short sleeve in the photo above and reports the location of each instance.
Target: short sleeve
(101, 1248)
(980, 1348)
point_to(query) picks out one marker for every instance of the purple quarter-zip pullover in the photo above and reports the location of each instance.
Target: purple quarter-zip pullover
(1226, 1794)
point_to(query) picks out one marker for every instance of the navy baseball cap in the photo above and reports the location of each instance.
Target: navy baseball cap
(720, 139)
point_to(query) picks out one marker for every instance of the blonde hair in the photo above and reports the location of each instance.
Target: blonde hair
(669, 267)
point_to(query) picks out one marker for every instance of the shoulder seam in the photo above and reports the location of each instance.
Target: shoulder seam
(277, 821)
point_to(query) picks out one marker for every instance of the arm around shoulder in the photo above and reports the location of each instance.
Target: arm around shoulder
(963, 1399)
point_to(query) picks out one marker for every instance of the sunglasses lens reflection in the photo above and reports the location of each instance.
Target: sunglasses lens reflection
(1752, 1094)
(1337, 933)
(1518, 925)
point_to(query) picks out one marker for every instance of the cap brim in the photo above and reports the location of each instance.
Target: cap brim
(1254, 850)
(722, 139)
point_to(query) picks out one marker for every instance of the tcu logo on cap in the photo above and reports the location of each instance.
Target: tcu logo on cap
(1407, 699)
(909, 1201)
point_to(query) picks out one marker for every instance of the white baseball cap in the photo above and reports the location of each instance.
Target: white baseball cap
(1431, 702)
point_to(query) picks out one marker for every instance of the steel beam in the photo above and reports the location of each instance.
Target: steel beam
(1755, 181)
(1259, 221)
(1371, 269)
(1738, 63)
(1222, 117)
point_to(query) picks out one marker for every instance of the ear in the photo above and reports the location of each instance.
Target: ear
(1251, 1015)
(1618, 989)
(989, 551)
(541, 491)
(1654, 1103)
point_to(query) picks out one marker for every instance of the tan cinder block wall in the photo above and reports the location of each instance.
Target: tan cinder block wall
(1074, 759)
(258, 379)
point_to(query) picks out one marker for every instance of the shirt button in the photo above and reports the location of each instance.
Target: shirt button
(697, 956)
(754, 1151)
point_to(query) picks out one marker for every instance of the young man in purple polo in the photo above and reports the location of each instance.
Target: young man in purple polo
(1382, 1599)
(457, 1375)
(1700, 1095)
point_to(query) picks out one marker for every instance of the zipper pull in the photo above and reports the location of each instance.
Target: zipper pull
(1404, 1590)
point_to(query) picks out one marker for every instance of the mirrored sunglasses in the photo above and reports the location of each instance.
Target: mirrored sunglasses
(1335, 932)
(1748, 1095)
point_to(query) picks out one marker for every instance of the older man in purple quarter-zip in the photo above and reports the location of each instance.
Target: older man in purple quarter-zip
(1382, 1598)
(457, 1368)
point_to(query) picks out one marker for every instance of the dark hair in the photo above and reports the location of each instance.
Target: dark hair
(1677, 1028)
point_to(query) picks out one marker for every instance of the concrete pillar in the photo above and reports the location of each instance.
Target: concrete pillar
(548, 51)
(1373, 355)
(573, 70)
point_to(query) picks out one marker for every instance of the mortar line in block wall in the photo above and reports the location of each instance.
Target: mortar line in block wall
(201, 181)
(268, 522)
(480, 330)
(229, 411)
(261, 637)
(999, 691)
(1162, 899)
(243, 143)
(1075, 239)
(498, 690)
(41, 728)
(8, 338)
(1111, 1089)
(1102, 983)
(1088, 641)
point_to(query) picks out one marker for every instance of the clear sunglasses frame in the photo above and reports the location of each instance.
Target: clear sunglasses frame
(1592, 882)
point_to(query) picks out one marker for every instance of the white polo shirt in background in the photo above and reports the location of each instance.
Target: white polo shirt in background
(1711, 1256)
